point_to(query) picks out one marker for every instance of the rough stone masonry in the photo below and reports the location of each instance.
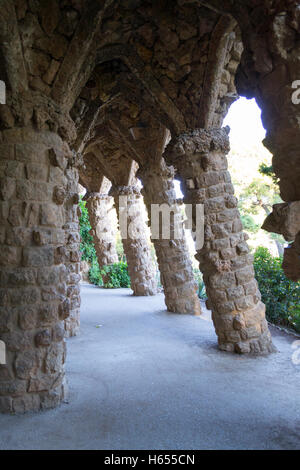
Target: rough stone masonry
(83, 73)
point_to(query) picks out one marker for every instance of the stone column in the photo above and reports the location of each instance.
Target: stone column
(233, 295)
(34, 270)
(72, 253)
(140, 265)
(100, 207)
(173, 258)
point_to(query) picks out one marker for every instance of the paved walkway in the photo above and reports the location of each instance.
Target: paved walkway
(142, 378)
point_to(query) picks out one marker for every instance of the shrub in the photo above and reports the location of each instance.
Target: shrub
(114, 275)
(111, 276)
(249, 223)
(201, 286)
(88, 252)
(94, 273)
(280, 295)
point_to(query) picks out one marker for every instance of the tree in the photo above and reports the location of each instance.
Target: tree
(260, 194)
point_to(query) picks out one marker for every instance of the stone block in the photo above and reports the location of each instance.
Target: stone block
(48, 275)
(251, 288)
(219, 231)
(13, 388)
(225, 307)
(32, 214)
(228, 253)
(222, 281)
(244, 303)
(27, 317)
(37, 172)
(21, 277)
(38, 256)
(237, 226)
(214, 205)
(64, 309)
(233, 336)
(25, 363)
(16, 214)
(6, 404)
(47, 314)
(238, 322)
(242, 347)
(55, 358)
(235, 292)
(10, 256)
(214, 191)
(52, 398)
(28, 402)
(58, 332)
(245, 275)
(50, 215)
(242, 248)
(7, 188)
(23, 296)
(227, 215)
(7, 319)
(43, 338)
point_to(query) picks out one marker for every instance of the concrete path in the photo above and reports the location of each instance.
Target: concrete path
(141, 378)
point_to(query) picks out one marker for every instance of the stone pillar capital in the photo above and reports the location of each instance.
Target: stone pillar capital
(195, 148)
(131, 190)
(97, 197)
(154, 169)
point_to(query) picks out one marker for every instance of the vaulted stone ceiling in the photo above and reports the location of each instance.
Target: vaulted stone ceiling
(72, 66)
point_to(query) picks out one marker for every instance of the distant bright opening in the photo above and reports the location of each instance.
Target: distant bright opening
(244, 119)
(256, 191)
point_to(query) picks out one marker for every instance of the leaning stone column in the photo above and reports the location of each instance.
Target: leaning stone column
(72, 252)
(140, 265)
(100, 208)
(237, 312)
(173, 258)
(34, 298)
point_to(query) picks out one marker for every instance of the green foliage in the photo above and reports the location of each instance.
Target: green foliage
(94, 273)
(86, 245)
(201, 286)
(280, 295)
(249, 223)
(267, 170)
(111, 276)
(120, 249)
(115, 275)
(258, 195)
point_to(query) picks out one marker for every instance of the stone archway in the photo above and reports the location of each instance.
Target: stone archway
(170, 64)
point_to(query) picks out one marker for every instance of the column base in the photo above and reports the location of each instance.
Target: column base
(245, 333)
